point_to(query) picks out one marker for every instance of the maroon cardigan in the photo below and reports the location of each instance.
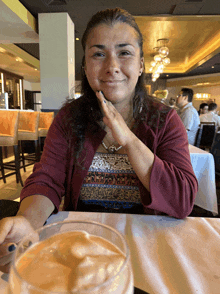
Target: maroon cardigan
(173, 185)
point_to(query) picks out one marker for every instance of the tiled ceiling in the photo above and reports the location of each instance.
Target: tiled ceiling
(80, 11)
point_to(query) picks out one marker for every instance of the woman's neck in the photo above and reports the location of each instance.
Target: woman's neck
(126, 111)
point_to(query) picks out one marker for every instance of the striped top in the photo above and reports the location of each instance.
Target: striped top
(111, 182)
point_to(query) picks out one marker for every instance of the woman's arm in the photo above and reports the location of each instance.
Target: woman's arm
(49, 174)
(36, 209)
(141, 159)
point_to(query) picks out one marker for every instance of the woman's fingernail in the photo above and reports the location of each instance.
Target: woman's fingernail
(11, 248)
(104, 101)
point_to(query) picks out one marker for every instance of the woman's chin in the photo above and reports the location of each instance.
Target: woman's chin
(114, 96)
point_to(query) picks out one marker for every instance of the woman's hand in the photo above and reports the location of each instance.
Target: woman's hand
(114, 121)
(12, 230)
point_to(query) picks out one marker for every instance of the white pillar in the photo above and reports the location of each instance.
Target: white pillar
(57, 58)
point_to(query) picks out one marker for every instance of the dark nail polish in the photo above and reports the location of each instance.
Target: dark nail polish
(104, 101)
(11, 248)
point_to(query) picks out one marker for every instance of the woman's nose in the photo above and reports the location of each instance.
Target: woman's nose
(112, 65)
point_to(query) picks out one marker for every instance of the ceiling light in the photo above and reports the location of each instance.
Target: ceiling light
(19, 59)
(213, 67)
(164, 51)
(160, 58)
(2, 50)
(77, 39)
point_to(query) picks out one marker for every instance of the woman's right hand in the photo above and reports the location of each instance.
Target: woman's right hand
(12, 230)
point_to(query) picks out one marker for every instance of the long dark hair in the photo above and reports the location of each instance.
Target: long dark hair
(91, 111)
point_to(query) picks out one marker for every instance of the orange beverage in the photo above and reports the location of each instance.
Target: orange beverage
(72, 257)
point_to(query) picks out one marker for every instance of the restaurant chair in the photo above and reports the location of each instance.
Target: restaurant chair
(28, 131)
(215, 151)
(46, 119)
(9, 137)
(205, 135)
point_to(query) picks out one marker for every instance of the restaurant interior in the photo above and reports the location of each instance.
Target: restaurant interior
(189, 30)
(36, 78)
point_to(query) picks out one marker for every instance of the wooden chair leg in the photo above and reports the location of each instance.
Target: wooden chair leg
(21, 151)
(37, 150)
(2, 166)
(17, 164)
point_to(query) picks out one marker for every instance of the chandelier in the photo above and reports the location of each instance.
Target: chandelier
(160, 58)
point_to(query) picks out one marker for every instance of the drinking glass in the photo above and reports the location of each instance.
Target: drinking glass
(122, 282)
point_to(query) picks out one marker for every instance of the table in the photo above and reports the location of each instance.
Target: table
(204, 168)
(168, 255)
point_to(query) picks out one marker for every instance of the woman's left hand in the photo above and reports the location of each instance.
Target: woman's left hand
(114, 121)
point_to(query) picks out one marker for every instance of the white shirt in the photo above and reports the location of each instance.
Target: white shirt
(190, 119)
(210, 116)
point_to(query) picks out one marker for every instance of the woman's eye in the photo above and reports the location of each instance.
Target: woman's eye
(98, 54)
(124, 53)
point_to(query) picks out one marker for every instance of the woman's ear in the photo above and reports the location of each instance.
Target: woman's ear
(141, 66)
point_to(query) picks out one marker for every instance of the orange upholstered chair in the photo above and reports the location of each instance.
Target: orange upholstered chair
(9, 137)
(46, 119)
(28, 131)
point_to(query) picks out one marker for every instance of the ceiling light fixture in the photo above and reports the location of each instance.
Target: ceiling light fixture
(2, 50)
(19, 59)
(160, 58)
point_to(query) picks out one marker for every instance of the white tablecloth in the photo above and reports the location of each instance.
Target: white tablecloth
(204, 169)
(169, 256)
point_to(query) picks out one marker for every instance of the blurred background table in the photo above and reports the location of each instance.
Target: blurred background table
(168, 255)
(204, 168)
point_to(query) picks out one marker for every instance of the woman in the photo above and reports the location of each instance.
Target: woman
(125, 150)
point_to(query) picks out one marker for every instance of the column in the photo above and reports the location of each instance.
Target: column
(57, 59)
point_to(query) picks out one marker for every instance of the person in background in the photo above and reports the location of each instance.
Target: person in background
(188, 113)
(211, 115)
(172, 103)
(114, 149)
(203, 108)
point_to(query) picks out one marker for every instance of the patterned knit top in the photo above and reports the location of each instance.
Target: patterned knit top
(111, 182)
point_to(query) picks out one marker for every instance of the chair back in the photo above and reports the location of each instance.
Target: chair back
(46, 119)
(9, 127)
(29, 121)
(205, 135)
(215, 150)
(207, 123)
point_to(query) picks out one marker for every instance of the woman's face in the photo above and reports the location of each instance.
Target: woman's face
(112, 61)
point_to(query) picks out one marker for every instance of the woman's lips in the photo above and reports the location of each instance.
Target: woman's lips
(112, 82)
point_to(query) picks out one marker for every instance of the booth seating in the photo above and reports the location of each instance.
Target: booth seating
(46, 119)
(28, 131)
(9, 121)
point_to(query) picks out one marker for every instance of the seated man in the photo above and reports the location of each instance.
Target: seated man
(211, 115)
(203, 108)
(188, 113)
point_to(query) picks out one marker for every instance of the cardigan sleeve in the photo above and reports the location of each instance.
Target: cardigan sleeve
(173, 184)
(48, 177)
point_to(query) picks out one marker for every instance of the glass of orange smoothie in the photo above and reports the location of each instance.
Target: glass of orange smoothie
(72, 257)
